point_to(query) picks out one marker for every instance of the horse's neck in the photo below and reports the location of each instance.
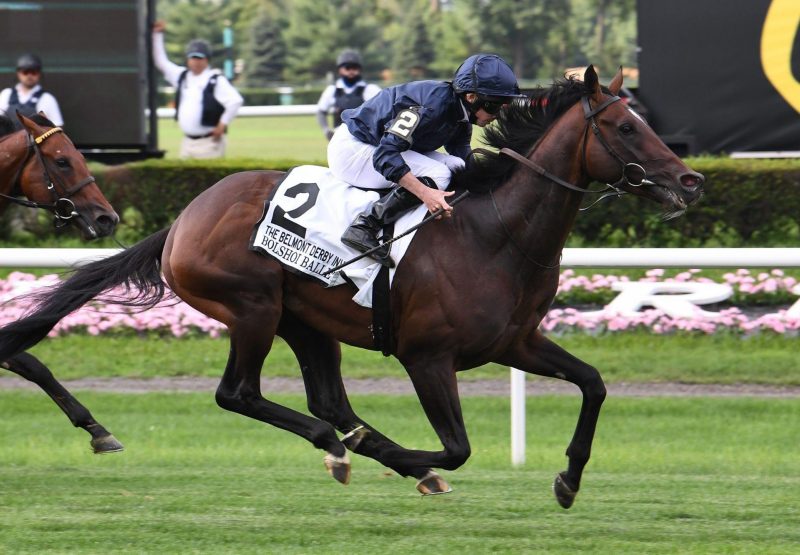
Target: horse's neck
(12, 150)
(538, 213)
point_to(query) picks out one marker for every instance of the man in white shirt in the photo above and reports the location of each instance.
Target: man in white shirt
(27, 96)
(349, 91)
(205, 101)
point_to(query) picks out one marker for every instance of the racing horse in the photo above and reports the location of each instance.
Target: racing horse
(470, 290)
(40, 162)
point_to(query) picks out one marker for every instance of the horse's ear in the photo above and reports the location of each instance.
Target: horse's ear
(591, 82)
(26, 123)
(616, 82)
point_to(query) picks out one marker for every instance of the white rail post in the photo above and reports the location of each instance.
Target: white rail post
(517, 417)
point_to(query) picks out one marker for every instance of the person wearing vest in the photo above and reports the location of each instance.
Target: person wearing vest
(205, 101)
(28, 97)
(349, 91)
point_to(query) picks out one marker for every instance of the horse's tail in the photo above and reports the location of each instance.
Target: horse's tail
(137, 268)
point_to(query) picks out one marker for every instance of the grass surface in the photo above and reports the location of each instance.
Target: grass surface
(633, 357)
(667, 476)
(294, 137)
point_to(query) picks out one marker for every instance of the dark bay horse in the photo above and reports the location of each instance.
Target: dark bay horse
(471, 289)
(41, 163)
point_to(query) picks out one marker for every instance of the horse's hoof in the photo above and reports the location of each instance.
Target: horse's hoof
(354, 437)
(106, 444)
(433, 484)
(565, 495)
(338, 467)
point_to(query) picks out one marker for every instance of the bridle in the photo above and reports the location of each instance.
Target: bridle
(62, 207)
(632, 174)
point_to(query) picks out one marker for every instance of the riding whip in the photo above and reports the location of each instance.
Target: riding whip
(425, 220)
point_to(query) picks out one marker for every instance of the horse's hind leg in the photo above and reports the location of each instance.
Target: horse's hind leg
(539, 355)
(240, 391)
(30, 368)
(320, 363)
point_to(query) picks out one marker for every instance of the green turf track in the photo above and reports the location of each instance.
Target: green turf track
(667, 476)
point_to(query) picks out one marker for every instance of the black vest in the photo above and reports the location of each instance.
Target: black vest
(212, 109)
(27, 109)
(344, 101)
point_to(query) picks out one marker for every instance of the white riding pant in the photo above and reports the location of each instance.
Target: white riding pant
(205, 148)
(351, 161)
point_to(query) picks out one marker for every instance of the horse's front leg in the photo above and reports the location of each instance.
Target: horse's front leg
(539, 355)
(30, 368)
(434, 380)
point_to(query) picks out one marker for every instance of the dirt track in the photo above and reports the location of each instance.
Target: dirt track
(387, 386)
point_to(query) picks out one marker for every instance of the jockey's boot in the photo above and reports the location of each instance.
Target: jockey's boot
(362, 235)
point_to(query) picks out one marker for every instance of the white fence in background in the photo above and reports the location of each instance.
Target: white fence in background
(257, 111)
(575, 258)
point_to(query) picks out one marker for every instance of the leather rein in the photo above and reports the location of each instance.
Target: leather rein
(62, 207)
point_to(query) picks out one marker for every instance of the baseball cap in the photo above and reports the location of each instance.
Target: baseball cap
(29, 61)
(198, 48)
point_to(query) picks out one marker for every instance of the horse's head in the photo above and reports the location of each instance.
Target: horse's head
(54, 176)
(622, 149)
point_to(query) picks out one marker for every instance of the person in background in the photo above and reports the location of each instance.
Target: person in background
(205, 101)
(27, 96)
(349, 91)
(392, 139)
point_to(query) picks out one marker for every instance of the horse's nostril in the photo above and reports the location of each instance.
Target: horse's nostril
(106, 224)
(691, 180)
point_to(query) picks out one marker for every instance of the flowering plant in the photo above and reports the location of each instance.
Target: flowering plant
(178, 319)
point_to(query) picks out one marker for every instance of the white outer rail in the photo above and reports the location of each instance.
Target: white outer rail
(585, 258)
(257, 111)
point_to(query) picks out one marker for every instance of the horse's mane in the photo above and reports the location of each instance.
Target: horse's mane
(7, 124)
(517, 127)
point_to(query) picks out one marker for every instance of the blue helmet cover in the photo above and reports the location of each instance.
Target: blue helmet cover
(486, 74)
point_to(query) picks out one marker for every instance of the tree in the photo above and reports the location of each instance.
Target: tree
(190, 19)
(413, 52)
(318, 31)
(265, 52)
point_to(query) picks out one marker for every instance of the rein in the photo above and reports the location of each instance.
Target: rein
(62, 207)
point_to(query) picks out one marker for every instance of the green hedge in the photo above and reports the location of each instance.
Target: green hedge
(747, 202)
(159, 189)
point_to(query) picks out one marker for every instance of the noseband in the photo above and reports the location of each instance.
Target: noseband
(62, 207)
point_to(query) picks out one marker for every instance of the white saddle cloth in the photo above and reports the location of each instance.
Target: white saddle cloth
(304, 220)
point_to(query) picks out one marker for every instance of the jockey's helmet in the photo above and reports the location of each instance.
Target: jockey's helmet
(487, 75)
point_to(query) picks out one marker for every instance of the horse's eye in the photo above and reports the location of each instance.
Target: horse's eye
(62, 163)
(626, 128)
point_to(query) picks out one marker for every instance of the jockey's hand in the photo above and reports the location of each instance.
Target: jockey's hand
(218, 131)
(434, 200)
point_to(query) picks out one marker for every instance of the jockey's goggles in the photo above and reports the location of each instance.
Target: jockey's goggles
(490, 105)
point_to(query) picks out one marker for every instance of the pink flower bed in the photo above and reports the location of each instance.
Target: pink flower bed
(179, 319)
(95, 318)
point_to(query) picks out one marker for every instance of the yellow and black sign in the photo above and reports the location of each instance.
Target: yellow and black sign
(722, 75)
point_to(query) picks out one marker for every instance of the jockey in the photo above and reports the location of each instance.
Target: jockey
(392, 139)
